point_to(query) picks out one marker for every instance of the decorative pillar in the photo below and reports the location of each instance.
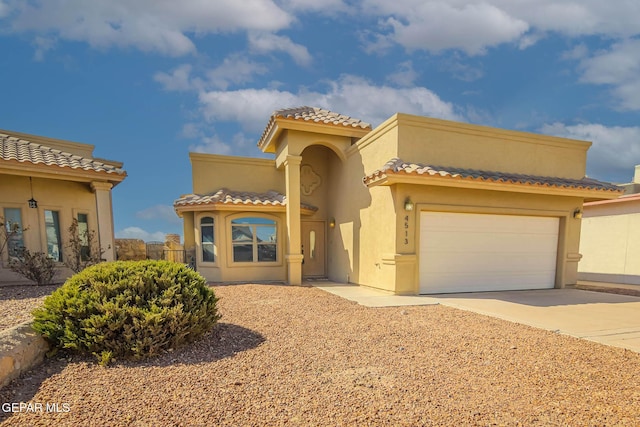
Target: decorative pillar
(294, 253)
(105, 219)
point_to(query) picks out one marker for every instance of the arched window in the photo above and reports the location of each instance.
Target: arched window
(207, 239)
(254, 239)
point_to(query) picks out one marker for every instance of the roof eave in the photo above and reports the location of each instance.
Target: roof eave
(11, 167)
(479, 184)
(278, 124)
(237, 207)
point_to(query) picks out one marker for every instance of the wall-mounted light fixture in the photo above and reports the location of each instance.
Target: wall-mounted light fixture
(332, 223)
(408, 204)
(577, 214)
(33, 203)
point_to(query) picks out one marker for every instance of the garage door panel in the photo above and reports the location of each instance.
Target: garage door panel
(480, 262)
(480, 252)
(499, 282)
(489, 242)
(462, 222)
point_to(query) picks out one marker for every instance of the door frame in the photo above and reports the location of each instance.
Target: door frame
(324, 238)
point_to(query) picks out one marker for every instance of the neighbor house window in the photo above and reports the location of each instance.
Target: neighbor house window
(254, 239)
(207, 239)
(52, 227)
(83, 234)
(13, 224)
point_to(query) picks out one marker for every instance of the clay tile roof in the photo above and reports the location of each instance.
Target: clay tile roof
(12, 148)
(225, 196)
(396, 166)
(314, 114)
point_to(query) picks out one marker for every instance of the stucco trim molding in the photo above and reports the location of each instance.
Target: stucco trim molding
(396, 259)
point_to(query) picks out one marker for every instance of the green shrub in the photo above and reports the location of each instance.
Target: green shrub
(128, 309)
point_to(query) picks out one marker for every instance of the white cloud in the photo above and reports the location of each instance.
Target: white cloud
(405, 76)
(474, 26)
(139, 233)
(212, 145)
(460, 70)
(349, 95)
(235, 69)
(578, 52)
(615, 150)
(178, 79)
(162, 26)
(162, 212)
(4, 9)
(250, 107)
(326, 7)
(618, 66)
(42, 45)
(267, 42)
(437, 26)
(440, 25)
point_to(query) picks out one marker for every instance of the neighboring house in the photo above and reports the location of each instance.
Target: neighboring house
(610, 240)
(45, 183)
(414, 206)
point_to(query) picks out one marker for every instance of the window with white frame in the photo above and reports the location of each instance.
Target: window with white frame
(52, 230)
(254, 239)
(207, 239)
(83, 235)
(13, 226)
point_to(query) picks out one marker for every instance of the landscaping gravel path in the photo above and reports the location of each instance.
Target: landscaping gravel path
(299, 356)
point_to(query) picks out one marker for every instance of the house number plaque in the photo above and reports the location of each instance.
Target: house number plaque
(406, 229)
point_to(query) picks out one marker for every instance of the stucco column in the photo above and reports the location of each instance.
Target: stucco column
(294, 256)
(105, 219)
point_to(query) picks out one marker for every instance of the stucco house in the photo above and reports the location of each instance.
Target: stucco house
(610, 239)
(45, 183)
(415, 206)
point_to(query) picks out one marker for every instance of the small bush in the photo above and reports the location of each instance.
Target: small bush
(128, 309)
(35, 266)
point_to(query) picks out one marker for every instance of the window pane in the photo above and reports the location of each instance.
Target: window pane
(243, 253)
(207, 234)
(13, 222)
(266, 233)
(52, 225)
(266, 253)
(207, 239)
(83, 234)
(207, 253)
(241, 233)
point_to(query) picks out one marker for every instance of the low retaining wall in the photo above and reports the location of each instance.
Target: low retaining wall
(21, 348)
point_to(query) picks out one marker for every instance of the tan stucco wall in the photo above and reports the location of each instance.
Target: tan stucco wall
(445, 143)
(68, 198)
(212, 172)
(610, 243)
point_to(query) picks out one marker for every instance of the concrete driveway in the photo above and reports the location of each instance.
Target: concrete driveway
(605, 318)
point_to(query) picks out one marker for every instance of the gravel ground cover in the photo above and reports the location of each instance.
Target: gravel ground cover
(17, 302)
(299, 356)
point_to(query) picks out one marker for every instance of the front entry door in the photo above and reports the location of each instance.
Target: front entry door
(313, 247)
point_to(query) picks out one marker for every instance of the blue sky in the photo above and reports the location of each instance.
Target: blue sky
(147, 81)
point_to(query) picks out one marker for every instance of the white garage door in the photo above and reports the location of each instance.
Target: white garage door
(477, 252)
